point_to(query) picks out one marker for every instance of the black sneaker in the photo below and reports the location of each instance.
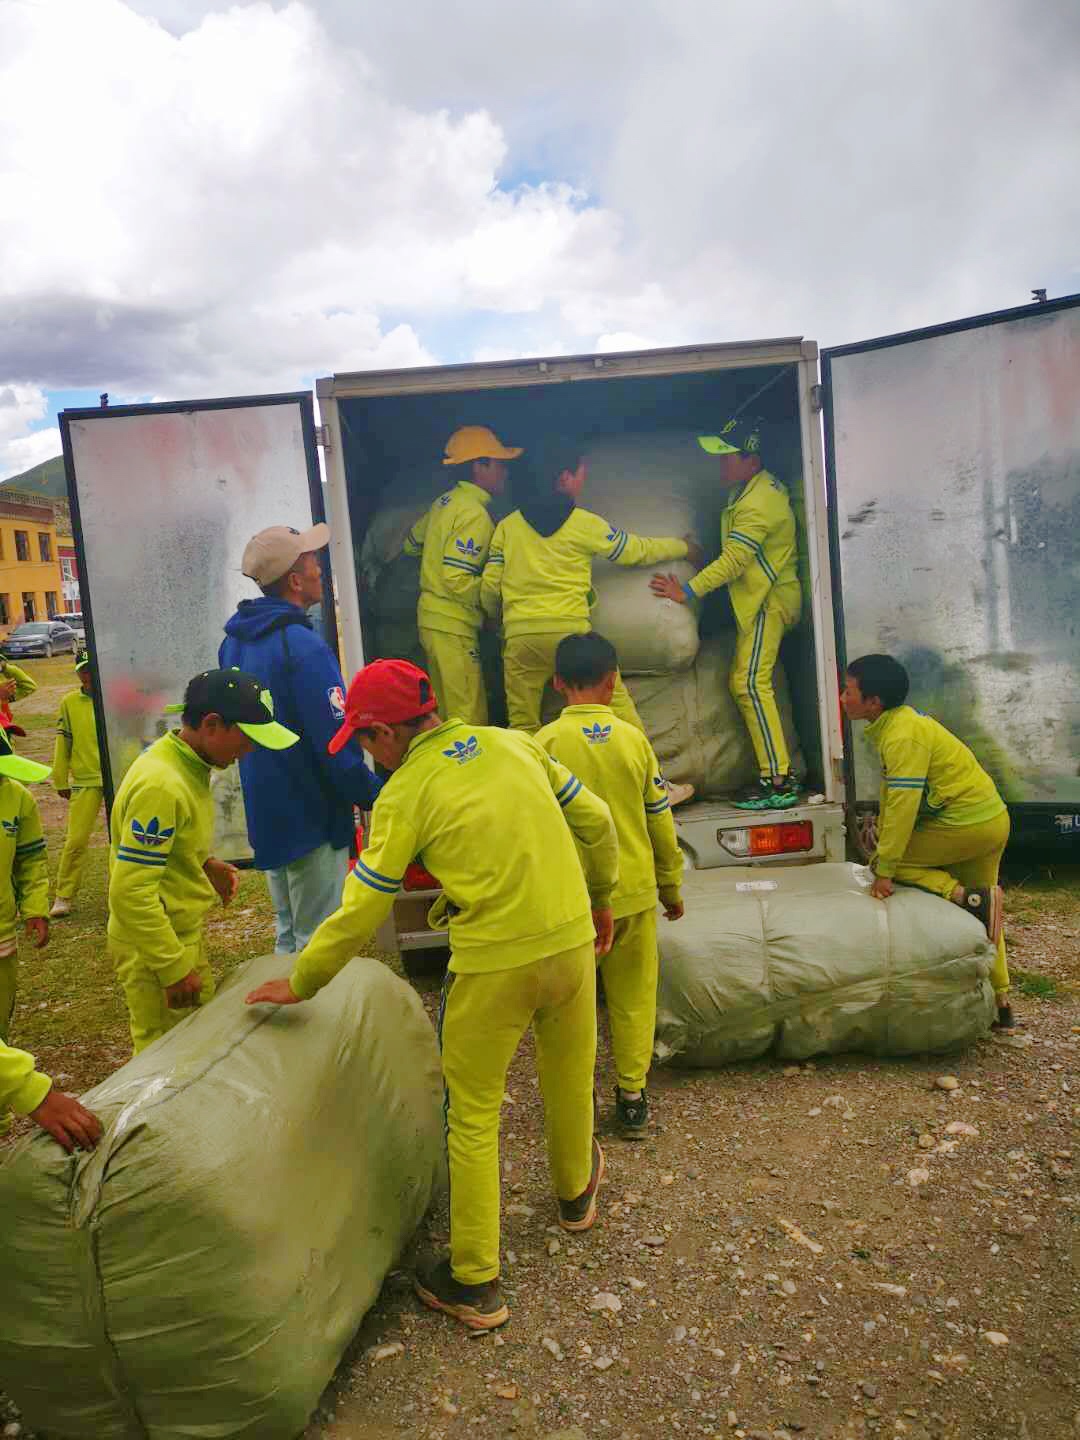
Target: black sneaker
(755, 797)
(785, 791)
(631, 1116)
(579, 1214)
(988, 906)
(480, 1307)
(1005, 1019)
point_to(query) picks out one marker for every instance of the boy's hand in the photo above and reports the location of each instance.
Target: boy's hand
(667, 587)
(7, 691)
(184, 993)
(675, 911)
(37, 930)
(604, 922)
(225, 878)
(64, 794)
(68, 1122)
(274, 992)
(694, 553)
(882, 887)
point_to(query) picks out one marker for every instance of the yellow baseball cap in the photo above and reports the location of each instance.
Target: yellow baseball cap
(477, 442)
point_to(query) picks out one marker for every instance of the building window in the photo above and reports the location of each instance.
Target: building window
(29, 612)
(67, 567)
(5, 612)
(44, 545)
(50, 604)
(22, 545)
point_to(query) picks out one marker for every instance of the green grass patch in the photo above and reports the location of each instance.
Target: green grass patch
(1036, 987)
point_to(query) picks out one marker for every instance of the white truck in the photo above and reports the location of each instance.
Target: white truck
(940, 522)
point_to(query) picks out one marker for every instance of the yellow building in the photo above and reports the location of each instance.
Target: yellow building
(30, 577)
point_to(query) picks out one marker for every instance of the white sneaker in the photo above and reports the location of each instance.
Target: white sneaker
(677, 794)
(59, 909)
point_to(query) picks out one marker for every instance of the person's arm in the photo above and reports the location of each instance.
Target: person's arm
(622, 548)
(590, 819)
(24, 684)
(905, 763)
(27, 1091)
(138, 863)
(413, 543)
(316, 685)
(61, 767)
(30, 872)
(744, 546)
(491, 581)
(667, 857)
(465, 553)
(365, 903)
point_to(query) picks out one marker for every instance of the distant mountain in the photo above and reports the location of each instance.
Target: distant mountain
(44, 479)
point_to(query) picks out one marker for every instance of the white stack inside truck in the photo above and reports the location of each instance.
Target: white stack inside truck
(946, 534)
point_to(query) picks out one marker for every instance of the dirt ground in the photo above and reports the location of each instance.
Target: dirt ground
(836, 1249)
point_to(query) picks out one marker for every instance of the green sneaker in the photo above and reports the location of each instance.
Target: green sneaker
(755, 797)
(784, 792)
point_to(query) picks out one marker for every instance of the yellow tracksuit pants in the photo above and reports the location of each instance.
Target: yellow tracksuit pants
(481, 1023)
(9, 983)
(83, 810)
(454, 666)
(149, 1016)
(529, 665)
(751, 681)
(972, 854)
(629, 971)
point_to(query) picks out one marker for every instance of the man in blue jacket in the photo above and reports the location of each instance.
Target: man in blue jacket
(299, 802)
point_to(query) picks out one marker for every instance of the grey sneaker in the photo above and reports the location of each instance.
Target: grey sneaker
(580, 1214)
(480, 1307)
(631, 1116)
(988, 906)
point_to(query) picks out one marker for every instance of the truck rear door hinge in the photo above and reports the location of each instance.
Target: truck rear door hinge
(322, 436)
(816, 399)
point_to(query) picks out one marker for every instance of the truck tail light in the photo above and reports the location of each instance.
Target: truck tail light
(792, 838)
(417, 878)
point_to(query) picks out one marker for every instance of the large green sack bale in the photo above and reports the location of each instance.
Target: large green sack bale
(695, 726)
(201, 1273)
(804, 961)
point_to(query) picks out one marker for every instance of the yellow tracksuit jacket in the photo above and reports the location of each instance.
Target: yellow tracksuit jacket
(542, 582)
(24, 683)
(162, 823)
(24, 871)
(757, 551)
(490, 814)
(616, 762)
(453, 538)
(22, 1088)
(926, 774)
(76, 761)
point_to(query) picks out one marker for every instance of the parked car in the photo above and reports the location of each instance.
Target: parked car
(75, 620)
(43, 638)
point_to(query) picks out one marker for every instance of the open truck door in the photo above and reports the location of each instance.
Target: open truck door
(163, 500)
(953, 467)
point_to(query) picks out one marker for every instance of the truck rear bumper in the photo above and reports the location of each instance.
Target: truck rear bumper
(715, 833)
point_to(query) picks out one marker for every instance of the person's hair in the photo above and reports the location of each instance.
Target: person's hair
(536, 475)
(275, 589)
(193, 716)
(880, 677)
(582, 661)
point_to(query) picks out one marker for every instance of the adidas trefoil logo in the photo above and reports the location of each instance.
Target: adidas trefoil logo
(153, 834)
(464, 750)
(468, 547)
(596, 734)
(11, 827)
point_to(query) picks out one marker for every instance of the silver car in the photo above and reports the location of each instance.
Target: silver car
(42, 639)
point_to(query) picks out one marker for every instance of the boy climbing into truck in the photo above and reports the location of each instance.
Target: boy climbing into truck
(539, 575)
(616, 762)
(76, 777)
(453, 538)
(495, 818)
(942, 827)
(757, 562)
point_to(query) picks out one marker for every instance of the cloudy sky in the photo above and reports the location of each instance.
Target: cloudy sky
(203, 199)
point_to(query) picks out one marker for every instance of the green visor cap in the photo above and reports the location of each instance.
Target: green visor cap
(239, 699)
(82, 659)
(17, 767)
(736, 436)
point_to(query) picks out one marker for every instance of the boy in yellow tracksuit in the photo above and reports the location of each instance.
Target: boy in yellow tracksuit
(491, 814)
(453, 538)
(76, 777)
(539, 574)
(758, 564)
(162, 877)
(617, 763)
(942, 825)
(24, 875)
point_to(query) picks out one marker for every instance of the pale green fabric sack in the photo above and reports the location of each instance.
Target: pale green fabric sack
(201, 1273)
(803, 961)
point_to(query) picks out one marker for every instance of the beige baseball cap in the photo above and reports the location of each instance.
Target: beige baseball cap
(273, 552)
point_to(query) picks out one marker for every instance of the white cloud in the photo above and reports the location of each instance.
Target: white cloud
(21, 407)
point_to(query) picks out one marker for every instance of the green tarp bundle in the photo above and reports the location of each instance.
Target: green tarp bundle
(201, 1273)
(803, 961)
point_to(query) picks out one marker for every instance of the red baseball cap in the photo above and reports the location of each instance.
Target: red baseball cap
(388, 691)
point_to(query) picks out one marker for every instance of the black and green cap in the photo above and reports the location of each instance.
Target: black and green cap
(17, 767)
(738, 436)
(82, 660)
(240, 699)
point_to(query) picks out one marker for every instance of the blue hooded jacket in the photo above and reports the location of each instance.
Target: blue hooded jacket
(301, 798)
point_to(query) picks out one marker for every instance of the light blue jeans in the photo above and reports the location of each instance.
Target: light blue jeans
(304, 893)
